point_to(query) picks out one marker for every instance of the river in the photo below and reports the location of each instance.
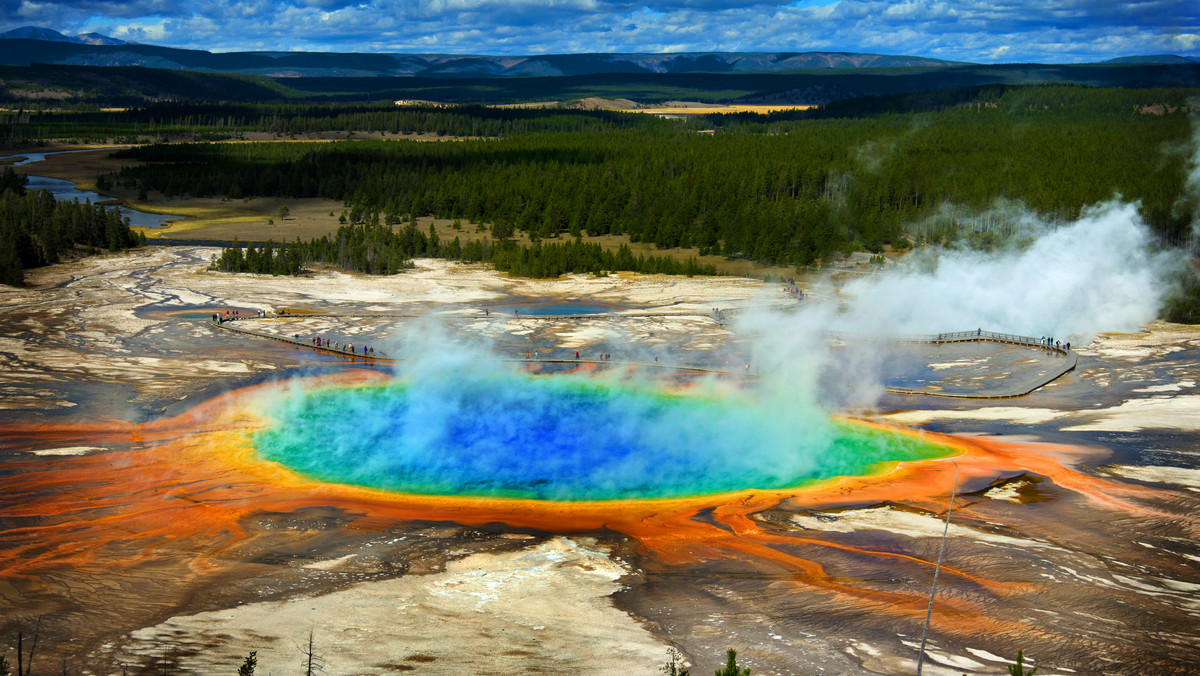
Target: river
(65, 190)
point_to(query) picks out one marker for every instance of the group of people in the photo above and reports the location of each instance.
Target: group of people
(367, 350)
(231, 315)
(1056, 344)
(317, 341)
(225, 316)
(604, 356)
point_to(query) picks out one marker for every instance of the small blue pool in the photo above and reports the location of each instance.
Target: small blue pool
(556, 308)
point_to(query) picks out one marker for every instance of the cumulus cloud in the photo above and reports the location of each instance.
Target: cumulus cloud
(1059, 31)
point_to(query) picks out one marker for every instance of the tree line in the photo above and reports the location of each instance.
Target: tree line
(806, 192)
(202, 121)
(36, 229)
(383, 250)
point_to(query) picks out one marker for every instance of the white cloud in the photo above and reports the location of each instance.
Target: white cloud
(141, 32)
(971, 30)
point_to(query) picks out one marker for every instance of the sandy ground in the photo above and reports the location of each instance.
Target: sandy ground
(1052, 568)
(535, 605)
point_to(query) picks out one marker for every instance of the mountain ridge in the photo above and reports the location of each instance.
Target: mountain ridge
(32, 45)
(29, 45)
(51, 35)
(1152, 58)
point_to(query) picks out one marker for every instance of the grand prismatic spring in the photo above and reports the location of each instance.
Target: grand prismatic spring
(560, 439)
(187, 495)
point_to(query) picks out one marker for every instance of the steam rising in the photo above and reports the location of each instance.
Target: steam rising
(457, 423)
(1192, 182)
(1100, 273)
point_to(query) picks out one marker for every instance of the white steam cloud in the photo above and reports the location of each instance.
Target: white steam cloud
(1192, 184)
(1103, 272)
(1100, 273)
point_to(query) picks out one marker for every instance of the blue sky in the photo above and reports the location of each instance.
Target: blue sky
(1053, 31)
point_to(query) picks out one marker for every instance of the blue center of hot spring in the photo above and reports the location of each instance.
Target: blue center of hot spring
(565, 439)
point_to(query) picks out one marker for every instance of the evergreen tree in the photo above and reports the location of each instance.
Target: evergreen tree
(731, 668)
(249, 664)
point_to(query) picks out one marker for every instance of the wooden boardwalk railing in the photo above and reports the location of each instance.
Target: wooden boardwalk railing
(237, 326)
(1070, 359)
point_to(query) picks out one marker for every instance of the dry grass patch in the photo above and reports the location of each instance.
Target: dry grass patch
(255, 220)
(680, 108)
(82, 168)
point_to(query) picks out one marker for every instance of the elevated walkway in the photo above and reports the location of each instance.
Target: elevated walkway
(1069, 360)
(1068, 363)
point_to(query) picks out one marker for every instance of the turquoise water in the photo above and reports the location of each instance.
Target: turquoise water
(563, 439)
(563, 308)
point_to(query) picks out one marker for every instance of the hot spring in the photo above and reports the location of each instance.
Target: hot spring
(510, 435)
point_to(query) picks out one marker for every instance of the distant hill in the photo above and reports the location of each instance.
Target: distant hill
(98, 39)
(33, 45)
(48, 35)
(1153, 58)
(130, 86)
(30, 45)
(40, 66)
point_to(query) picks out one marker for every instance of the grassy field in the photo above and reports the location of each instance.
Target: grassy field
(705, 109)
(665, 108)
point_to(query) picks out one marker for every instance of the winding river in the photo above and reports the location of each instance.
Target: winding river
(65, 190)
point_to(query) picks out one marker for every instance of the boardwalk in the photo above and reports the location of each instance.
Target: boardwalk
(238, 325)
(1069, 360)
(1017, 389)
